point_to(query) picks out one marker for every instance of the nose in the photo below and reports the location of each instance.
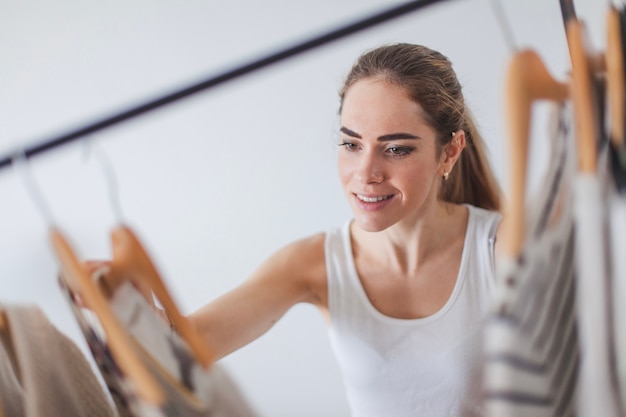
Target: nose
(370, 169)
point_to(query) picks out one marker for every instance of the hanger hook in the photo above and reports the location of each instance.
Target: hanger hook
(505, 25)
(20, 162)
(109, 176)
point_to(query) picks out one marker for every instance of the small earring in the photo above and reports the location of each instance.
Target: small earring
(445, 175)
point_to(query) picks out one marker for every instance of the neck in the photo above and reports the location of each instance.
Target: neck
(404, 246)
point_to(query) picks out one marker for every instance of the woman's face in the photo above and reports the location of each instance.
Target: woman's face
(388, 162)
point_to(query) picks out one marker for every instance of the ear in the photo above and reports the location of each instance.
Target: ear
(452, 151)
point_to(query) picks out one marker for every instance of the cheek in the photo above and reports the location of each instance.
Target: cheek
(417, 177)
(344, 168)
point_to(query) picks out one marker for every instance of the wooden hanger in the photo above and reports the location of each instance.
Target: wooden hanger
(585, 63)
(527, 81)
(132, 262)
(615, 77)
(78, 280)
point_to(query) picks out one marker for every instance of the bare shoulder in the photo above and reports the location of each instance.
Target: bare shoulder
(310, 248)
(303, 261)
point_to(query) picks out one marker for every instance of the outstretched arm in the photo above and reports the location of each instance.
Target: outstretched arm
(294, 274)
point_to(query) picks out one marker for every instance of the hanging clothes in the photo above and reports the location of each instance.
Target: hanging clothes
(617, 266)
(531, 343)
(159, 344)
(616, 202)
(189, 389)
(43, 373)
(11, 389)
(594, 190)
(597, 381)
(598, 392)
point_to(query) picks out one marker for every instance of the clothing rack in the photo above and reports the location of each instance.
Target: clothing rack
(213, 81)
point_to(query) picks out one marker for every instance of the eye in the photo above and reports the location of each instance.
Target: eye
(349, 146)
(397, 151)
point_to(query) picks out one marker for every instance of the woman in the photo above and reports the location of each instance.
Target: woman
(406, 282)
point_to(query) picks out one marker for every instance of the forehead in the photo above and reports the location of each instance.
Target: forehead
(378, 107)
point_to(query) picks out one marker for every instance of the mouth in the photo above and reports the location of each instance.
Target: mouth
(372, 199)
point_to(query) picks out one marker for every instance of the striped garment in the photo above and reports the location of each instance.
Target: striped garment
(531, 341)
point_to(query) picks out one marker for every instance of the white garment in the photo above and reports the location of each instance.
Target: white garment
(617, 227)
(598, 392)
(412, 367)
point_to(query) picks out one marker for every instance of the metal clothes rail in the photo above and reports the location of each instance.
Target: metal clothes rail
(106, 122)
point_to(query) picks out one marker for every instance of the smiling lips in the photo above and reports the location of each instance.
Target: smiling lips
(376, 199)
(372, 202)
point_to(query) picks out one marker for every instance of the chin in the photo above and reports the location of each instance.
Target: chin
(371, 226)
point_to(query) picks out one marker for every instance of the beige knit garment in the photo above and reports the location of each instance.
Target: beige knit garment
(43, 372)
(11, 390)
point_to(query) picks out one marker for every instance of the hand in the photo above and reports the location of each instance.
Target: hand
(108, 283)
(109, 279)
(100, 270)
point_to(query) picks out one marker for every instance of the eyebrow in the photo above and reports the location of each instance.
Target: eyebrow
(383, 138)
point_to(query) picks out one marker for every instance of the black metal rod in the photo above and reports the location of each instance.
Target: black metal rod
(568, 11)
(213, 81)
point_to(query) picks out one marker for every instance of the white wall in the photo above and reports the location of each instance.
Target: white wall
(216, 183)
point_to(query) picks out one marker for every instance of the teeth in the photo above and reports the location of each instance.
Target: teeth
(371, 199)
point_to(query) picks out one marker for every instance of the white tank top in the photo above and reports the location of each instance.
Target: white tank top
(412, 367)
